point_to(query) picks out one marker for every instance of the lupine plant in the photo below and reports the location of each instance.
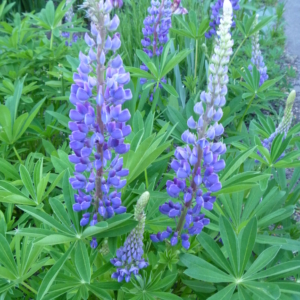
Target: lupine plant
(98, 123)
(129, 258)
(196, 169)
(70, 37)
(104, 195)
(257, 59)
(285, 123)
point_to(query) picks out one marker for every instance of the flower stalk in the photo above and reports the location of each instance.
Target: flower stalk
(197, 164)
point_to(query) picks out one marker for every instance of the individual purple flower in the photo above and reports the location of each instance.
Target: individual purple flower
(129, 258)
(99, 131)
(216, 16)
(196, 165)
(257, 59)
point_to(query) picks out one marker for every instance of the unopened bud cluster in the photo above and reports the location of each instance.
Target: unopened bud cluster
(285, 123)
(129, 258)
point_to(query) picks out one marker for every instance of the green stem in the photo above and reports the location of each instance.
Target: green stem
(51, 45)
(237, 50)
(196, 62)
(51, 40)
(17, 154)
(245, 112)
(146, 179)
(29, 288)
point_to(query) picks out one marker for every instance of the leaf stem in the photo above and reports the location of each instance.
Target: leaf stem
(241, 120)
(196, 62)
(146, 179)
(29, 288)
(237, 50)
(17, 154)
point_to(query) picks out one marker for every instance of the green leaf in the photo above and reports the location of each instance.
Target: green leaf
(93, 230)
(27, 181)
(135, 72)
(289, 287)
(213, 251)
(175, 60)
(170, 89)
(262, 261)
(165, 296)
(263, 290)
(68, 194)
(247, 243)
(55, 239)
(236, 163)
(82, 262)
(32, 115)
(281, 268)
(93, 287)
(102, 270)
(261, 24)
(224, 294)
(8, 170)
(61, 214)
(196, 265)
(269, 83)
(230, 243)
(199, 286)
(52, 273)
(44, 218)
(12, 102)
(6, 256)
(6, 122)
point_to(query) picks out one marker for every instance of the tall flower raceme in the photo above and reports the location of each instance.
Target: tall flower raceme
(98, 122)
(197, 164)
(257, 59)
(216, 16)
(156, 29)
(129, 258)
(71, 37)
(285, 123)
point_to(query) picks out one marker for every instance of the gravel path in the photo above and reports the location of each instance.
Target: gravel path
(292, 31)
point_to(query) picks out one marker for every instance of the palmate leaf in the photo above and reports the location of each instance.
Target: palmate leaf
(52, 273)
(214, 251)
(45, 218)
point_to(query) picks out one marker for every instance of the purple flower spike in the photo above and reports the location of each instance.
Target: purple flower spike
(129, 258)
(156, 28)
(98, 131)
(257, 59)
(196, 165)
